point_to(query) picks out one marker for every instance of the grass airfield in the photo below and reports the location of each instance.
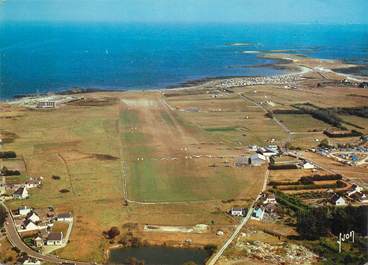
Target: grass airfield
(95, 151)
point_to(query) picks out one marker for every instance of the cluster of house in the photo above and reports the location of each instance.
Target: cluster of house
(20, 191)
(28, 221)
(265, 205)
(354, 194)
(347, 155)
(30, 261)
(45, 101)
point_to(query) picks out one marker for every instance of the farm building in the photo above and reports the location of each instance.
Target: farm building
(257, 160)
(242, 161)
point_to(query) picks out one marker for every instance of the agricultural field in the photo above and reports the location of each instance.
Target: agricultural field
(302, 122)
(161, 158)
(358, 121)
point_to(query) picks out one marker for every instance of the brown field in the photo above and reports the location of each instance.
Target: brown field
(60, 227)
(292, 174)
(86, 145)
(7, 254)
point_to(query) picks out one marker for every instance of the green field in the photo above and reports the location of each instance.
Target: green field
(302, 122)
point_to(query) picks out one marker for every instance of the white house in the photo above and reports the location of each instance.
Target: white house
(28, 225)
(24, 210)
(21, 193)
(31, 261)
(338, 200)
(65, 217)
(237, 211)
(308, 165)
(257, 214)
(270, 199)
(54, 239)
(33, 217)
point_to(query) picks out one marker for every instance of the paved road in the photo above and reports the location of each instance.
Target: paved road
(298, 155)
(16, 241)
(265, 110)
(214, 258)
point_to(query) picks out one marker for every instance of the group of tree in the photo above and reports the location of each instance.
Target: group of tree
(326, 115)
(322, 221)
(357, 111)
(9, 172)
(311, 179)
(8, 154)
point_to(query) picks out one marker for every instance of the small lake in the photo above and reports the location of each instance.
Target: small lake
(159, 255)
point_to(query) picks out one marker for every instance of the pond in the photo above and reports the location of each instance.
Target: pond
(159, 255)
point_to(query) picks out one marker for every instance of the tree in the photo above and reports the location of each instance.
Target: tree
(324, 143)
(113, 232)
(2, 216)
(190, 263)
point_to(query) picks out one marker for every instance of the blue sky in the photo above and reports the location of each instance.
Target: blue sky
(296, 11)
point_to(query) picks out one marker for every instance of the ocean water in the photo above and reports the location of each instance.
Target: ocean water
(44, 57)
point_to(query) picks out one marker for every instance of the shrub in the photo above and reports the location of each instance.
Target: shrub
(210, 248)
(279, 167)
(8, 172)
(64, 190)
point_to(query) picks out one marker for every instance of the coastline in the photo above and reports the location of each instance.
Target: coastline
(295, 65)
